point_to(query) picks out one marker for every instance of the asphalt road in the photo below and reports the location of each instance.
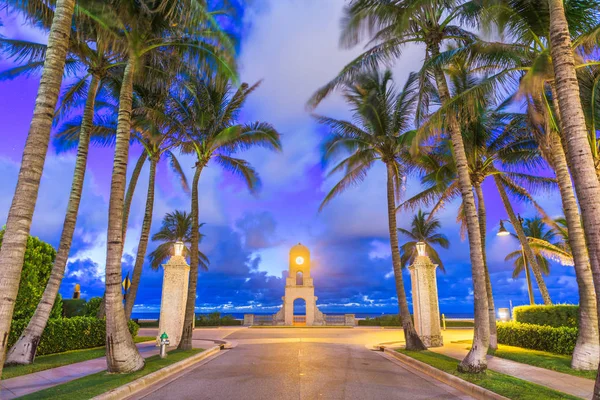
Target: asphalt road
(291, 364)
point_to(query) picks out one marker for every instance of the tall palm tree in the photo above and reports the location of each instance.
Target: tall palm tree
(384, 116)
(96, 61)
(176, 226)
(18, 223)
(214, 134)
(536, 230)
(423, 229)
(573, 126)
(390, 26)
(145, 27)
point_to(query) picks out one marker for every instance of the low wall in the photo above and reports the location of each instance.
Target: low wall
(269, 320)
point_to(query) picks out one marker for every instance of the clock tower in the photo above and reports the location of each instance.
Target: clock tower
(299, 285)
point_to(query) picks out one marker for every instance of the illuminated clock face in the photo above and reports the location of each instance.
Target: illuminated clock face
(299, 260)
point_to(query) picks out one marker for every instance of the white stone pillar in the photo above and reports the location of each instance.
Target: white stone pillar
(425, 301)
(174, 298)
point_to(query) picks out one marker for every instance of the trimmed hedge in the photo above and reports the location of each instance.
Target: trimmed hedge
(215, 319)
(64, 334)
(384, 320)
(560, 315)
(559, 340)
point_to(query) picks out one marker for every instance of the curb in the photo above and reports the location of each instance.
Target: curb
(469, 388)
(142, 383)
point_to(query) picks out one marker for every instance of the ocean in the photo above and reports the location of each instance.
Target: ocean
(359, 315)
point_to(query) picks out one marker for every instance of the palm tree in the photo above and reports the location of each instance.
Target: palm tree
(97, 61)
(214, 134)
(390, 26)
(424, 229)
(145, 30)
(176, 226)
(384, 115)
(18, 222)
(537, 232)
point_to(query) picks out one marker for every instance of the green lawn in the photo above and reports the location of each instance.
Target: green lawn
(101, 382)
(58, 360)
(505, 385)
(538, 358)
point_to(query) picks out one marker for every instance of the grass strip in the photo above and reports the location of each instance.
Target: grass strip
(538, 358)
(50, 361)
(299, 327)
(505, 385)
(101, 382)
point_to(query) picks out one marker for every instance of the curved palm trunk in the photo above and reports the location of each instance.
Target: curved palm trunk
(126, 208)
(18, 223)
(131, 190)
(530, 257)
(587, 349)
(475, 361)
(574, 129)
(121, 353)
(190, 306)
(413, 341)
(488, 283)
(23, 352)
(143, 244)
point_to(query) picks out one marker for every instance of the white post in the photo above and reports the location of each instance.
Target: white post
(174, 297)
(425, 301)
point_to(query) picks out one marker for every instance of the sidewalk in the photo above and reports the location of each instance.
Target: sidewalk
(565, 383)
(25, 384)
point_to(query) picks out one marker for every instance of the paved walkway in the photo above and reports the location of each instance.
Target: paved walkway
(31, 383)
(288, 364)
(565, 383)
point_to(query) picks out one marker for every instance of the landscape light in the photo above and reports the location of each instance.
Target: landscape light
(421, 249)
(178, 249)
(502, 231)
(504, 314)
(299, 260)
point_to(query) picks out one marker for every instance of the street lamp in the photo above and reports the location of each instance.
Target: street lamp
(504, 232)
(421, 249)
(178, 248)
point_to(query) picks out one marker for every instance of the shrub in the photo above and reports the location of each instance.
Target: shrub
(64, 334)
(215, 319)
(92, 306)
(73, 308)
(384, 320)
(559, 340)
(37, 265)
(556, 316)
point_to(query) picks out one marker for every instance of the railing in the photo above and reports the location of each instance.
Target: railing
(335, 320)
(299, 319)
(263, 319)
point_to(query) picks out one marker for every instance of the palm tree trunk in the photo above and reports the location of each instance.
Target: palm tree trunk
(121, 353)
(23, 352)
(126, 208)
(190, 306)
(488, 283)
(131, 190)
(413, 341)
(475, 361)
(143, 244)
(524, 243)
(18, 222)
(527, 277)
(587, 349)
(574, 129)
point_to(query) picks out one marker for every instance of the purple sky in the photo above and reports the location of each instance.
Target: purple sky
(293, 46)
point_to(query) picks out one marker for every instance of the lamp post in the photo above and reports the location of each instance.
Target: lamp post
(421, 249)
(504, 232)
(178, 248)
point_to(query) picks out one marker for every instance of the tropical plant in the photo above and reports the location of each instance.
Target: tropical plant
(213, 133)
(156, 34)
(96, 60)
(383, 118)
(537, 232)
(18, 223)
(423, 229)
(176, 227)
(390, 26)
